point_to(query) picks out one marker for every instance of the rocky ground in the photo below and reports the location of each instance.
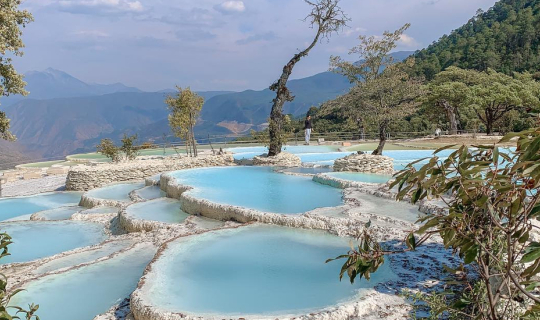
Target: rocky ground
(34, 186)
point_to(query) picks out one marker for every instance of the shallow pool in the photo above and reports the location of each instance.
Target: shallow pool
(360, 177)
(14, 207)
(83, 293)
(151, 192)
(403, 157)
(250, 152)
(38, 239)
(162, 210)
(118, 192)
(63, 213)
(259, 188)
(253, 270)
(323, 159)
(83, 257)
(387, 207)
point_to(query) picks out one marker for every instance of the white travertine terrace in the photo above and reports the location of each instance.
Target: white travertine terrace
(87, 177)
(283, 159)
(344, 220)
(365, 163)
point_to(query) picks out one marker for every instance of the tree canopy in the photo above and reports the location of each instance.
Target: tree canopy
(12, 20)
(185, 108)
(505, 38)
(482, 96)
(384, 91)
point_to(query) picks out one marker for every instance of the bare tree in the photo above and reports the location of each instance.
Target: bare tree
(327, 17)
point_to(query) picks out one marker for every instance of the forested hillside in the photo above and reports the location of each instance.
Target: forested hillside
(505, 38)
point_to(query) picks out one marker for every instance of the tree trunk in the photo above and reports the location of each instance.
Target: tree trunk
(192, 134)
(283, 95)
(194, 142)
(451, 115)
(489, 121)
(382, 139)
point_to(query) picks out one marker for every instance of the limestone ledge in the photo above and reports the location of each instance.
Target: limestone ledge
(429, 206)
(91, 202)
(365, 163)
(131, 224)
(340, 183)
(87, 177)
(152, 181)
(39, 216)
(283, 159)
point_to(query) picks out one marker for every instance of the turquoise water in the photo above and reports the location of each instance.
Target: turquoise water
(403, 157)
(250, 152)
(259, 188)
(63, 213)
(253, 270)
(118, 192)
(83, 257)
(360, 177)
(326, 155)
(83, 293)
(151, 192)
(38, 239)
(326, 159)
(14, 207)
(163, 210)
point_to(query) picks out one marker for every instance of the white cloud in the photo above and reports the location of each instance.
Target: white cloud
(354, 31)
(408, 41)
(231, 7)
(101, 6)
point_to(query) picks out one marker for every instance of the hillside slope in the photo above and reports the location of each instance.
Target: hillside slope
(505, 38)
(253, 107)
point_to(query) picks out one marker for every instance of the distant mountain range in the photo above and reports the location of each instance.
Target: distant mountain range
(64, 115)
(52, 83)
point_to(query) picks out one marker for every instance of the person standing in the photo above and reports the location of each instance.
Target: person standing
(307, 129)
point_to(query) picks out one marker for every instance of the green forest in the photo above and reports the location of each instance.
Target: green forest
(463, 74)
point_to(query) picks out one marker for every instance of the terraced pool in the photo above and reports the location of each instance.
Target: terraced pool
(257, 270)
(258, 188)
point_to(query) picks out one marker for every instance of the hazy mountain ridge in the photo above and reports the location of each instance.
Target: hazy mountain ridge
(52, 83)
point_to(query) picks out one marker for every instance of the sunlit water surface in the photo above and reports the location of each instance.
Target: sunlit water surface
(259, 188)
(38, 239)
(24, 206)
(254, 270)
(83, 293)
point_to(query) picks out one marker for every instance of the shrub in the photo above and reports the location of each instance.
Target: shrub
(492, 199)
(128, 147)
(107, 148)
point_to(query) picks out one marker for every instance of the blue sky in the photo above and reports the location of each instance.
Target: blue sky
(212, 44)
